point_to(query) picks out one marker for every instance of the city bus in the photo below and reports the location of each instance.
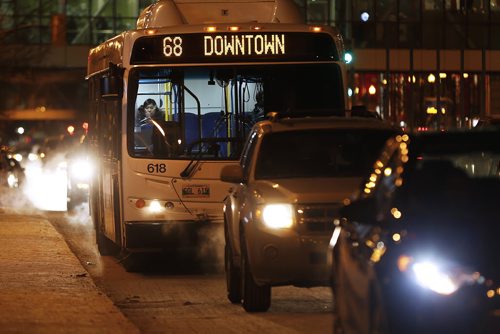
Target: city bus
(210, 70)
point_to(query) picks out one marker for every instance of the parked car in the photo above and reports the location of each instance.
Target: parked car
(25, 152)
(53, 149)
(11, 172)
(417, 248)
(491, 121)
(292, 178)
(67, 156)
(80, 170)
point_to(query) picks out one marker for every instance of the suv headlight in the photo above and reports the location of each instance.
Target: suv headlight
(278, 215)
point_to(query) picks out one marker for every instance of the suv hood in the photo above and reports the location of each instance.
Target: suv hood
(307, 190)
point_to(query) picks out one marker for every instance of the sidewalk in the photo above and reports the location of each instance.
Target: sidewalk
(43, 286)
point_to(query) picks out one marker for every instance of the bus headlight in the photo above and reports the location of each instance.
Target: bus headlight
(155, 206)
(278, 215)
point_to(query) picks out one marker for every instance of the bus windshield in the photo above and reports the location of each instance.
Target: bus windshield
(207, 112)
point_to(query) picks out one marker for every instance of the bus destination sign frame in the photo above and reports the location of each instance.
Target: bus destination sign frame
(233, 47)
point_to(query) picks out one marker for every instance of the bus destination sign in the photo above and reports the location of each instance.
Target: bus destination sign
(242, 45)
(234, 47)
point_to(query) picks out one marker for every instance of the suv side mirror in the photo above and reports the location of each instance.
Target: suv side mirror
(232, 174)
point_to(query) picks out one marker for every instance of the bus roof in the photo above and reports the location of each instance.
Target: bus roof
(166, 13)
(194, 16)
(118, 50)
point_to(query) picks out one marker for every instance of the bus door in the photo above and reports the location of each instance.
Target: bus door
(108, 131)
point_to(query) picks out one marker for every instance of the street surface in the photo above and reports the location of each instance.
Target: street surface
(170, 296)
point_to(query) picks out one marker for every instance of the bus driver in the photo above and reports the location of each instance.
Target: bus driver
(152, 129)
(147, 111)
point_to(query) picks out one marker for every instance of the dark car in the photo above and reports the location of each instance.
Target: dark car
(491, 121)
(80, 171)
(68, 155)
(417, 250)
(11, 172)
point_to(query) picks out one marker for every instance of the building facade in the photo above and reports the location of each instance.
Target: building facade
(421, 64)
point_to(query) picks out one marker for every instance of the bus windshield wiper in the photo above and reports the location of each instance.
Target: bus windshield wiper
(191, 166)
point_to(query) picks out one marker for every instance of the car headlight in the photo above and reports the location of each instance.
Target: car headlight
(82, 169)
(438, 276)
(18, 157)
(278, 215)
(12, 180)
(32, 157)
(429, 275)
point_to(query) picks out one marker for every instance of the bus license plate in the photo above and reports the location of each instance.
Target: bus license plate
(195, 191)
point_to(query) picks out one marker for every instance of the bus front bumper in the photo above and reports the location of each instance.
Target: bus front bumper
(169, 235)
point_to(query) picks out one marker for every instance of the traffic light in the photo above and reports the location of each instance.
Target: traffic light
(348, 58)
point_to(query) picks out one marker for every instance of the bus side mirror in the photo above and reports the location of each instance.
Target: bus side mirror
(111, 83)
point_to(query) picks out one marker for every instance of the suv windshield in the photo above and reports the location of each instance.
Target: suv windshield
(207, 112)
(319, 153)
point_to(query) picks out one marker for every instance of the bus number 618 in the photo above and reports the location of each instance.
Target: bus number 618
(157, 168)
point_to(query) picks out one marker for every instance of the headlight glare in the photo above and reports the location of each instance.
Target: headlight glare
(278, 215)
(439, 276)
(430, 276)
(155, 206)
(12, 180)
(82, 169)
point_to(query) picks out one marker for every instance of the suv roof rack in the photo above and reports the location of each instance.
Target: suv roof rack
(274, 116)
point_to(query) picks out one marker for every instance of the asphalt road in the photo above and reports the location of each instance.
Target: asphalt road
(175, 294)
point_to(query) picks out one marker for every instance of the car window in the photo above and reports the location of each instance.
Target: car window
(319, 153)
